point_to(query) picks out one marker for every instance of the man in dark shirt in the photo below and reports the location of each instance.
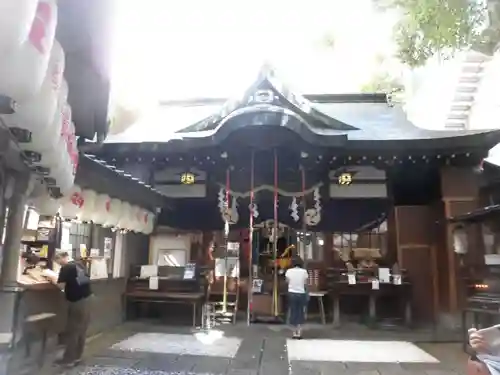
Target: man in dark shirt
(74, 280)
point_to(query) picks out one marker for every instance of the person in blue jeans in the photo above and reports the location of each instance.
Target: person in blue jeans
(296, 277)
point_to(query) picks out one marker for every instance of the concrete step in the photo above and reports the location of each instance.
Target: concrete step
(460, 107)
(463, 98)
(460, 116)
(468, 89)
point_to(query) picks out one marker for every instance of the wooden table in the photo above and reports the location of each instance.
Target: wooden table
(341, 288)
(146, 296)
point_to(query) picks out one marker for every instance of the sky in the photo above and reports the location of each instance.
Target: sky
(192, 48)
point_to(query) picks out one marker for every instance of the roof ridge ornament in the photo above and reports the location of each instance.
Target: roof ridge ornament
(272, 94)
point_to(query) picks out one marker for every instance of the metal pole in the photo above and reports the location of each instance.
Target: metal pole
(250, 240)
(275, 236)
(226, 239)
(304, 208)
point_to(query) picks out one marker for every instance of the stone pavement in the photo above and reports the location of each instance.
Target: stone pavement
(241, 351)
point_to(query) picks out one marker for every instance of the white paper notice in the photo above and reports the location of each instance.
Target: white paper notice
(257, 285)
(94, 252)
(188, 273)
(375, 284)
(384, 275)
(148, 271)
(98, 269)
(153, 283)
(396, 279)
(351, 279)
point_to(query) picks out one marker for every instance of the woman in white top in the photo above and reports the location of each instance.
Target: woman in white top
(297, 276)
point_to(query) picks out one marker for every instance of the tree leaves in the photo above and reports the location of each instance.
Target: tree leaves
(428, 28)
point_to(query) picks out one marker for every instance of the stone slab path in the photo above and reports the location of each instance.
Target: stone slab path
(147, 350)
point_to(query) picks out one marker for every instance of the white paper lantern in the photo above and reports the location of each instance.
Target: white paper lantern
(72, 203)
(115, 213)
(124, 221)
(89, 198)
(45, 205)
(101, 209)
(23, 69)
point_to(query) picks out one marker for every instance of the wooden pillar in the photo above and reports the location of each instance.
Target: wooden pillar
(206, 242)
(460, 194)
(11, 254)
(14, 229)
(416, 254)
(328, 253)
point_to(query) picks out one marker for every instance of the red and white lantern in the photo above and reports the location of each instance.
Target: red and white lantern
(142, 220)
(23, 69)
(89, 199)
(72, 203)
(135, 219)
(33, 121)
(150, 223)
(101, 209)
(126, 217)
(115, 213)
(16, 18)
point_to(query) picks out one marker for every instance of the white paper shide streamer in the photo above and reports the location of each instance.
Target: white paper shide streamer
(313, 215)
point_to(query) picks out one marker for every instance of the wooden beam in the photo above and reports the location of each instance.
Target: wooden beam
(10, 151)
(102, 179)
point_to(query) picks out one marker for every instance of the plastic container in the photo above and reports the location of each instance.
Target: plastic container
(35, 121)
(16, 18)
(23, 69)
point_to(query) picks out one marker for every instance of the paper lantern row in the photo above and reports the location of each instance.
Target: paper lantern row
(101, 209)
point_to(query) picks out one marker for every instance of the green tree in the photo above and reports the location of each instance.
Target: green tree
(429, 28)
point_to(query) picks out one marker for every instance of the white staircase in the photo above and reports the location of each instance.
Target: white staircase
(469, 80)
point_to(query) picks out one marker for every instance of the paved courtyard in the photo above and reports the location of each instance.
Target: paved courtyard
(158, 350)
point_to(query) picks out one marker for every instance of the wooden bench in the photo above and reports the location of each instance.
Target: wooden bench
(33, 326)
